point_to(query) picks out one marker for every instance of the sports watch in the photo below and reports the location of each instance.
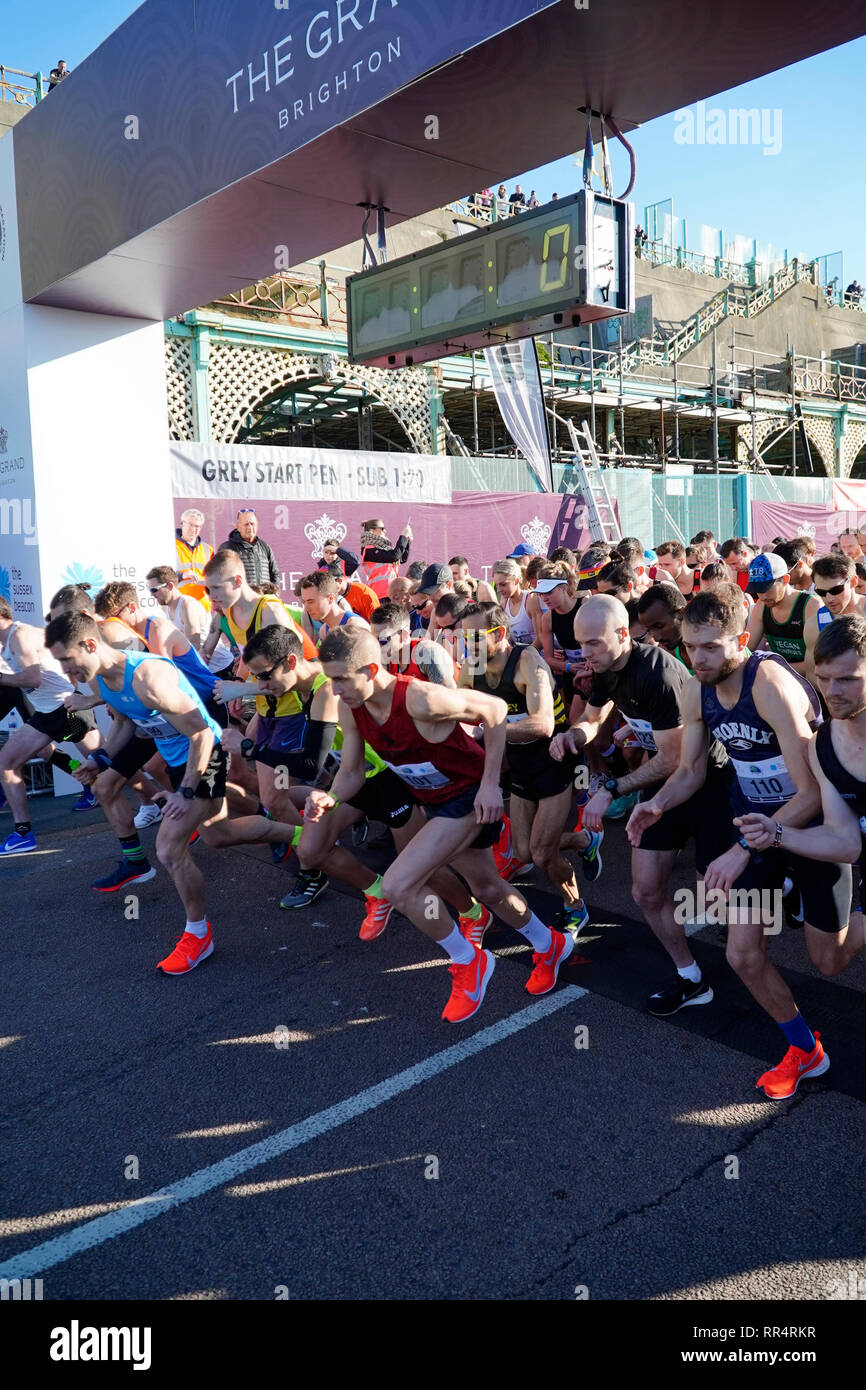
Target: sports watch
(247, 746)
(610, 785)
(188, 793)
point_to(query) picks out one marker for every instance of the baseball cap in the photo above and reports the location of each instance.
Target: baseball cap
(519, 550)
(433, 578)
(544, 586)
(764, 570)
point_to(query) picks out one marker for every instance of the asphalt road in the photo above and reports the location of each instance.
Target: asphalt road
(559, 1149)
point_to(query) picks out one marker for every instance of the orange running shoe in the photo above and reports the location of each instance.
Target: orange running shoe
(469, 987)
(782, 1081)
(543, 977)
(378, 916)
(189, 952)
(474, 928)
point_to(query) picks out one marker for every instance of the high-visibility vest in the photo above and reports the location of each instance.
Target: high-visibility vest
(376, 577)
(193, 557)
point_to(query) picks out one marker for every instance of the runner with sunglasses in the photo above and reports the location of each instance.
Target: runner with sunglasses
(834, 578)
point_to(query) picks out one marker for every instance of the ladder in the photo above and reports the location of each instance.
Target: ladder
(603, 525)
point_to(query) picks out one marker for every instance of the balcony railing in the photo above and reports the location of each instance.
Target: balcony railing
(25, 91)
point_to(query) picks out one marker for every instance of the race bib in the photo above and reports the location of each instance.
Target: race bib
(825, 618)
(156, 728)
(643, 732)
(765, 782)
(424, 776)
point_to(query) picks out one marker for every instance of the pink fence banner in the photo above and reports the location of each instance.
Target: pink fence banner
(483, 526)
(771, 519)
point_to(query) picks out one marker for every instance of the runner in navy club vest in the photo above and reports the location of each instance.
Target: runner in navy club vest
(837, 756)
(156, 709)
(764, 714)
(646, 685)
(542, 788)
(416, 728)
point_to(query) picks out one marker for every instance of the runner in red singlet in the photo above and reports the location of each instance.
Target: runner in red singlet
(415, 727)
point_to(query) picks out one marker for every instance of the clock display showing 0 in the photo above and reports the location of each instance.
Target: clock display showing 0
(533, 262)
(553, 267)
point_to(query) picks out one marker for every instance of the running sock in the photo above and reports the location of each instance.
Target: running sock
(198, 929)
(475, 913)
(461, 951)
(132, 850)
(798, 1033)
(298, 832)
(375, 889)
(23, 827)
(690, 972)
(537, 934)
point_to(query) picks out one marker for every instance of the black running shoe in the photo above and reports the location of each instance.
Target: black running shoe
(360, 832)
(309, 885)
(678, 996)
(279, 852)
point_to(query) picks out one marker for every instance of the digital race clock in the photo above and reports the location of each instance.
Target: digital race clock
(555, 267)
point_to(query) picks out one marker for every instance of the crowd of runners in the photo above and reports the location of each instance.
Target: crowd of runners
(713, 693)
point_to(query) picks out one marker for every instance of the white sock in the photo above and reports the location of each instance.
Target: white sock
(198, 929)
(690, 972)
(459, 949)
(537, 934)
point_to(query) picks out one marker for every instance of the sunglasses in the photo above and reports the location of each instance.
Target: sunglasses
(831, 593)
(157, 589)
(480, 631)
(247, 511)
(268, 675)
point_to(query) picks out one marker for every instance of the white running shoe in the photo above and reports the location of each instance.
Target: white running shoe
(148, 815)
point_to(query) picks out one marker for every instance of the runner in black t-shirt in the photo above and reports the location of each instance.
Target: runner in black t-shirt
(646, 685)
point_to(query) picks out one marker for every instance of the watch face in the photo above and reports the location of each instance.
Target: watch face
(187, 793)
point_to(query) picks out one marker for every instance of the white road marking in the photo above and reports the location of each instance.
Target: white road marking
(117, 1223)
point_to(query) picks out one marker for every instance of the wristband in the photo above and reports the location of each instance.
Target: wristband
(744, 844)
(102, 760)
(567, 667)
(778, 838)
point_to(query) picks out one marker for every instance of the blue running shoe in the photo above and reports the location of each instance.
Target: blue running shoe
(18, 844)
(87, 801)
(571, 920)
(591, 856)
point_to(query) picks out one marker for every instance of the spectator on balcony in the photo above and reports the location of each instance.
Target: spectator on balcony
(502, 208)
(517, 200)
(854, 292)
(554, 197)
(56, 75)
(533, 200)
(258, 559)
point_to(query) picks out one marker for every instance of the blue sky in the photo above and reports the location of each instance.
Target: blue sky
(810, 197)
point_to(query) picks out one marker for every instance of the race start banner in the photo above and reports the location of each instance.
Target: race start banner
(257, 472)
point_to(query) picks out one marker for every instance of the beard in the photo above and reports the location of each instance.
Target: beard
(716, 677)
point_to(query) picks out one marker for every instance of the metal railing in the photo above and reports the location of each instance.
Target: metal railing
(482, 210)
(25, 93)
